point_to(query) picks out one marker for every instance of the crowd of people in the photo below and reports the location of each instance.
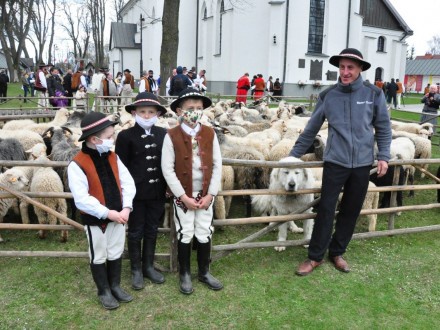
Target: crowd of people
(393, 91)
(258, 87)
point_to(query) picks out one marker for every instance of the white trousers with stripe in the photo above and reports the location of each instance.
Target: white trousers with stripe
(192, 223)
(105, 246)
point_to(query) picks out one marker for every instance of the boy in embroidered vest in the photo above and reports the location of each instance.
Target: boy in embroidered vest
(192, 165)
(140, 148)
(103, 191)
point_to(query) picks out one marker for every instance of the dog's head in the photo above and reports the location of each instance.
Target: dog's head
(291, 179)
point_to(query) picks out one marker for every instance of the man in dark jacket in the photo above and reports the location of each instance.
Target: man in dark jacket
(357, 117)
(392, 93)
(67, 84)
(4, 80)
(179, 82)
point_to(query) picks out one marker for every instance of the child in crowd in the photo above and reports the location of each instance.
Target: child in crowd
(80, 98)
(192, 165)
(103, 191)
(139, 148)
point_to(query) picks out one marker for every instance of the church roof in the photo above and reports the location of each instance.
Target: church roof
(122, 35)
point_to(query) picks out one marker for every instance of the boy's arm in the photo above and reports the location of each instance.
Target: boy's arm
(168, 171)
(79, 187)
(127, 185)
(214, 185)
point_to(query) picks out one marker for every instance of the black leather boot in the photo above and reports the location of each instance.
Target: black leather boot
(148, 262)
(134, 251)
(203, 260)
(99, 273)
(184, 257)
(114, 279)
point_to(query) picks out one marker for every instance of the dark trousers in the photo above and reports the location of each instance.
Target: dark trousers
(3, 91)
(145, 219)
(355, 184)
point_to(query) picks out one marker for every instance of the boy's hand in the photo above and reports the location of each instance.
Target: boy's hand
(116, 217)
(205, 201)
(190, 203)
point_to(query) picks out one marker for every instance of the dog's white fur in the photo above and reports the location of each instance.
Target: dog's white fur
(289, 179)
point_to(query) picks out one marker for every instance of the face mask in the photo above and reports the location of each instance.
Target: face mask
(192, 117)
(106, 145)
(146, 123)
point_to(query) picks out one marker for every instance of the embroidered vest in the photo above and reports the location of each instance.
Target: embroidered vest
(85, 162)
(183, 151)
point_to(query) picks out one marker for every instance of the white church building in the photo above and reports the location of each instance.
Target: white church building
(287, 39)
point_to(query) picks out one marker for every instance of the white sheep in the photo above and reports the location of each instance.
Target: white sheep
(45, 179)
(423, 150)
(412, 127)
(26, 138)
(15, 179)
(60, 119)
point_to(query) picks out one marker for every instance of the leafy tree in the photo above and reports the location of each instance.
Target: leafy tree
(434, 45)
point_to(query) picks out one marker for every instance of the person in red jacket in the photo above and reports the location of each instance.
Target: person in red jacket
(243, 85)
(260, 86)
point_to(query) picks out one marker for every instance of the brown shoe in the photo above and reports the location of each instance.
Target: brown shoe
(340, 264)
(307, 267)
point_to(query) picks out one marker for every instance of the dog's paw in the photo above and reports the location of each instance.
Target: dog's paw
(296, 230)
(280, 248)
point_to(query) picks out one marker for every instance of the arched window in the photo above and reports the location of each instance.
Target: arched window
(316, 26)
(378, 74)
(220, 12)
(381, 44)
(205, 12)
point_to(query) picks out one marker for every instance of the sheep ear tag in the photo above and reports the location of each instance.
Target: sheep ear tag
(13, 179)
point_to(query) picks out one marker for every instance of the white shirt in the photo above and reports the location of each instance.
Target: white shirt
(42, 77)
(141, 85)
(169, 159)
(83, 80)
(79, 187)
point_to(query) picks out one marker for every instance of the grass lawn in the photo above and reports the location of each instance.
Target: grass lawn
(394, 284)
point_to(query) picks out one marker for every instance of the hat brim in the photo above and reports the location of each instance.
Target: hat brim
(334, 60)
(132, 107)
(176, 103)
(97, 129)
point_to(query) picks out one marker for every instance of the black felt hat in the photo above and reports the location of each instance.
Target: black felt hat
(351, 54)
(190, 93)
(146, 99)
(94, 122)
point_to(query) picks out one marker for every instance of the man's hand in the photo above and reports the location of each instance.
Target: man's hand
(382, 168)
(125, 213)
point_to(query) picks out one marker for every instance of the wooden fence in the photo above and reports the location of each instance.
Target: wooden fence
(246, 243)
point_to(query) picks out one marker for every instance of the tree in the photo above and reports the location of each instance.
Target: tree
(97, 13)
(434, 45)
(43, 24)
(170, 40)
(118, 5)
(14, 24)
(78, 26)
(410, 53)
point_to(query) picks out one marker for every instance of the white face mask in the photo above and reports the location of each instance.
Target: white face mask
(106, 145)
(146, 123)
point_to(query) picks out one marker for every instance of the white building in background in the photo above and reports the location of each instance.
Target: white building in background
(287, 39)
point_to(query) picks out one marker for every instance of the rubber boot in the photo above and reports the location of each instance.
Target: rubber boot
(148, 262)
(203, 260)
(114, 279)
(134, 252)
(99, 273)
(184, 257)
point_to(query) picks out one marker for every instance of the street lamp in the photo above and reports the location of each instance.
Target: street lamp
(141, 61)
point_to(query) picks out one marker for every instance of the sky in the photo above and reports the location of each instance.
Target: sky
(422, 16)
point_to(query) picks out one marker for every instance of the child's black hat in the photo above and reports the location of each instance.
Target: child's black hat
(146, 99)
(94, 122)
(190, 93)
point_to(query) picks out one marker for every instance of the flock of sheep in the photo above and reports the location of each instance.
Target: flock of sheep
(263, 133)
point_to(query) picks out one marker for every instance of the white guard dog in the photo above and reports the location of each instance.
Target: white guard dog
(289, 179)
